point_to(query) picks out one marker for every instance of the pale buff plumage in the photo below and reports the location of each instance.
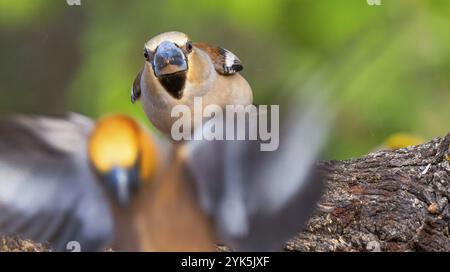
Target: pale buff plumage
(202, 80)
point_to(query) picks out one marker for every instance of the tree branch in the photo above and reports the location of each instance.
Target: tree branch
(385, 201)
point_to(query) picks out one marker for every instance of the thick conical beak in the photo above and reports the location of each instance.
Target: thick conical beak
(168, 59)
(121, 182)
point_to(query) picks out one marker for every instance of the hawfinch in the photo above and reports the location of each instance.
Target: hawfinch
(177, 70)
(109, 184)
(68, 178)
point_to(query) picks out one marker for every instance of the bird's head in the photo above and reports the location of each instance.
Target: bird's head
(167, 55)
(123, 155)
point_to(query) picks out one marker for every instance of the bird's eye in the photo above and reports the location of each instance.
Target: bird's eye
(146, 54)
(189, 46)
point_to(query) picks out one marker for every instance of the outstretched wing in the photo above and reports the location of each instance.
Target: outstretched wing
(259, 199)
(225, 62)
(47, 190)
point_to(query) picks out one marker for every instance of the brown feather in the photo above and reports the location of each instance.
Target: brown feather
(167, 216)
(218, 57)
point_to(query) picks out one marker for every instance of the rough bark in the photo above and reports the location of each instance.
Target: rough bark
(385, 201)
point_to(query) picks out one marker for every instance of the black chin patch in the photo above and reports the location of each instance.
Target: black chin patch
(174, 84)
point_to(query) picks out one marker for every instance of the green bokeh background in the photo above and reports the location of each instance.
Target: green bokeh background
(387, 67)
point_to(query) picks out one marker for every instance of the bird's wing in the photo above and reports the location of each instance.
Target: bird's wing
(225, 62)
(136, 88)
(259, 199)
(47, 190)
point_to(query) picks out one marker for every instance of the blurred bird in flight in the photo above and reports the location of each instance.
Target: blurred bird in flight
(110, 184)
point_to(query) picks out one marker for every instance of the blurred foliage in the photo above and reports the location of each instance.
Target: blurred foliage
(386, 67)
